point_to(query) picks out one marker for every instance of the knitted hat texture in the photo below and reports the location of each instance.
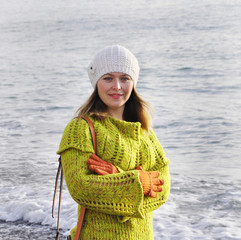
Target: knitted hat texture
(114, 58)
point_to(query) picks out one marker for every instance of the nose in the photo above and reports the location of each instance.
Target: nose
(116, 84)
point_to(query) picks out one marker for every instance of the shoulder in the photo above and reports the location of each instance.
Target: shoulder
(156, 146)
(75, 125)
(76, 135)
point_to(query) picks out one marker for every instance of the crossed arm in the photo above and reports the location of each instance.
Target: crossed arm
(150, 181)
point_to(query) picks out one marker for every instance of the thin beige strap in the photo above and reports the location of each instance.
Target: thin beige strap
(59, 172)
(55, 188)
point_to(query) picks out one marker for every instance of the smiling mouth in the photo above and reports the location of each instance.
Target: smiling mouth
(115, 96)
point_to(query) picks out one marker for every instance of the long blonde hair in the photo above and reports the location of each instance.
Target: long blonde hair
(136, 109)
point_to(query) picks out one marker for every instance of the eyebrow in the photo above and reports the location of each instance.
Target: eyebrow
(124, 74)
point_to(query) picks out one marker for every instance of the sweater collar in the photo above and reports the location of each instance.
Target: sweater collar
(129, 129)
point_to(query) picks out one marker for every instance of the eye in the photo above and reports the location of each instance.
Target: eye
(126, 78)
(107, 78)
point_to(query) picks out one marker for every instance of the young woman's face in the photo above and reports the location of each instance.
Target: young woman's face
(114, 89)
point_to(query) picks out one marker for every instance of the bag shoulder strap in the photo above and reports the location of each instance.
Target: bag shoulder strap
(60, 172)
(92, 131)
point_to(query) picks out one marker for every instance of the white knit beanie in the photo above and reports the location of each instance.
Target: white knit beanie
(113, 58)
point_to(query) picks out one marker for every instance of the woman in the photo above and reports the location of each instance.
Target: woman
(128, 178)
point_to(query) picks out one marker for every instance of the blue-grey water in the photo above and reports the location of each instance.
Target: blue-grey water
(190, 58)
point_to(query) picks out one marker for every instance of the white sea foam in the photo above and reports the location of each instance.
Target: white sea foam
(25, 205)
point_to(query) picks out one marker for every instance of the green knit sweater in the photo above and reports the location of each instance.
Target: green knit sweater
(116, 208)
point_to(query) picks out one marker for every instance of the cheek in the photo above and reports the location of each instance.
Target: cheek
(101, 94)
(128, 89)
(100, 88)
(103, 86)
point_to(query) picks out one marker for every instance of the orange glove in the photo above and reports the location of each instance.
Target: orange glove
(150, 182)
(100, 166)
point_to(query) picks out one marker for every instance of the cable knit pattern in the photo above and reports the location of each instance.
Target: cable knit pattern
(114, 58)
(115, 205)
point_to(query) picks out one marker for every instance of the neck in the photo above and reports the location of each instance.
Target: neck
(116, 113)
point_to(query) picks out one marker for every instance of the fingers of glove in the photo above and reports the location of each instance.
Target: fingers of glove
(156, 188)
(162, 181)
(139, 168)
(154, 174)
(107, 169)
(157, 181)
(101, 172)
(152, 194)
(114, 169)
(98, 170)
(92, 167)
(94, 162)
(97, 159)
(99, 162)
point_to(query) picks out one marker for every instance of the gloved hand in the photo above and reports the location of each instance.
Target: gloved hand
(100, 166)
(150, 182)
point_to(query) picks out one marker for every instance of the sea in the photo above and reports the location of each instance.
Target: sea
(190, 58)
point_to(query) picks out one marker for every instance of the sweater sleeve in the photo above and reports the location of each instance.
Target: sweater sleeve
(117, 194)
(153, 158)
